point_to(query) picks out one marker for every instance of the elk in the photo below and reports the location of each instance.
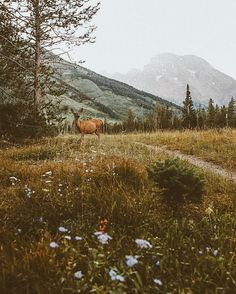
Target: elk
(85, 127)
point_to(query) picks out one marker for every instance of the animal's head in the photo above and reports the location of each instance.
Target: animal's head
(77, 114)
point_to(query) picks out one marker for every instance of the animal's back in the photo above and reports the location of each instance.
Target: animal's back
(89, 126)
(98, 123)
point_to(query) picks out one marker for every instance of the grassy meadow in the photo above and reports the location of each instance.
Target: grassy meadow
(217, 146)
(56, 198)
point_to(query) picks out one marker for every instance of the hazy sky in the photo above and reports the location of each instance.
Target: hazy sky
(130, 32)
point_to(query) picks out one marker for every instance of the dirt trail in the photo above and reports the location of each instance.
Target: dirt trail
(208, 166)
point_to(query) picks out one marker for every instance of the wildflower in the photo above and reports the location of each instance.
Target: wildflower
(143, 243)
(208, 249)
(215, 252)
(41, 219)
(103, 238)
(53, 244)
(131, 260)
(77, 238)
(62, 230)
(45, 190)
(115, 277)
(200, 252)
(48, 173)
(28, 191)
(13, 180)
(19, 230)
(68, 237)
(158, 282)
(78, 275)
(103, 225)
(158, 263)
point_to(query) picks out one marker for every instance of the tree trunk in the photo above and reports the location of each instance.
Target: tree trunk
(37, 48)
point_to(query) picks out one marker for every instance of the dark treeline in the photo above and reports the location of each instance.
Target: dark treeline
(163, 117)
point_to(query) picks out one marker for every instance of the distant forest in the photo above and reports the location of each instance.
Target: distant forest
(163, 117)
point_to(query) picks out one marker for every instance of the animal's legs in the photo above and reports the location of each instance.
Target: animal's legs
(81, 139)
(98, 135)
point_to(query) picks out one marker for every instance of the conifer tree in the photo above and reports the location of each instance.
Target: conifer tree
(232, 113)
(129, 123)
(189, 114)
(210, 122)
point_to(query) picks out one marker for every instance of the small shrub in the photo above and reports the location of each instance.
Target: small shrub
(178, 181)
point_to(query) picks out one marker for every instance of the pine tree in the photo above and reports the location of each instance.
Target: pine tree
(217, 122)
(210, 122)
(223, 117)
(15, 63)
(189, 119)
(129, 123)
(232, 113)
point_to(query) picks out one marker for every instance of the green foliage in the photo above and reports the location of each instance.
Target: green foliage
(178, 181)
(189, 114)
(19, 121)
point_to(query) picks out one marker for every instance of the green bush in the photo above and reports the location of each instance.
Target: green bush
(178, 181)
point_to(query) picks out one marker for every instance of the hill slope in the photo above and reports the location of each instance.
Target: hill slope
(167, 75)
(101, 96)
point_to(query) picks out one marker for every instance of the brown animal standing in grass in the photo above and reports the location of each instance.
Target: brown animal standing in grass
(85, 127)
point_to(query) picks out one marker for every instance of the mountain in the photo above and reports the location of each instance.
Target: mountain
(167, 75)
(101, 96)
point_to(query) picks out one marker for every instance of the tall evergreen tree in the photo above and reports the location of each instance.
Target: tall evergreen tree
(129, 123)
(232, 113)
(189, 114)
(210, 122)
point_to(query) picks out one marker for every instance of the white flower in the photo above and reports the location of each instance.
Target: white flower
(131, 260)
(48, 173)
(104, 238)
(53, 244)
(98, 233)
(68, 237)
(158, 263)
(115, 277)
(215, 252)
(208, 249)
(13, 180)
(19, 230)
(143, 243)
(77, 238)
(158, 282)
(28, 191)
(200, 252)
(62, 229)
(78, 275)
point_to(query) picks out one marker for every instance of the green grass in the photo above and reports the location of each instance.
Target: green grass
(59, 184)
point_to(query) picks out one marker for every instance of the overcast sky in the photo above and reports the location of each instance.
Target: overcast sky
(130, 32)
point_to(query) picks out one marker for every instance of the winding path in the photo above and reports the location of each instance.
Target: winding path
(208, 166)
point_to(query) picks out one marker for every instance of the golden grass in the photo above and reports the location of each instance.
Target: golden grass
(76, 186)
(218, 146)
